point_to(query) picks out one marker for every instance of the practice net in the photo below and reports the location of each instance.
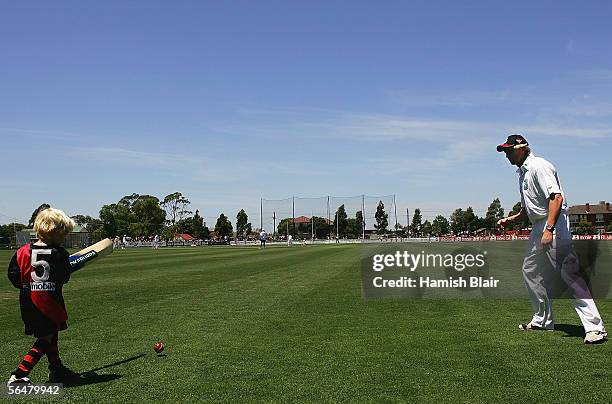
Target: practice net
(323, 217)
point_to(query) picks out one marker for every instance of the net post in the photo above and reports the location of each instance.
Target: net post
(293, 213)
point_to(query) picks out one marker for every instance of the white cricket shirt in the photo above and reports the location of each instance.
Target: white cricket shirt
(537, 181)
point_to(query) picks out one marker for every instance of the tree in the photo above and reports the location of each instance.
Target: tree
(198, 229)
(81, 220)
(382, 218)
(352, 228)
(457, 221)
(36, 212)
(471, 220)
(7, 232)
(116, 219)
(284, 226)
(184, 226)
(340, 221)
(241, 224)
(494, 213)
(416, 227)
(175, 206)
(360, 222)
(584, 227)
(147, 215)
(426, 229)
(464, 221)
(523, 224)
(134, 215)
(440, 226)
(321, 227)
(92, 225)
(223, 227)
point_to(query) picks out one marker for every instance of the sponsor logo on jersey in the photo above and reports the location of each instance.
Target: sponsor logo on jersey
(42, 286)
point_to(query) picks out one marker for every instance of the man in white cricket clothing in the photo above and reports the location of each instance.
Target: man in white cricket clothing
(549, 251)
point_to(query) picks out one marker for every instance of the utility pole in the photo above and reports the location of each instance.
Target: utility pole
(408, 222)
(328, 210)
(274, 219)
(395, 211)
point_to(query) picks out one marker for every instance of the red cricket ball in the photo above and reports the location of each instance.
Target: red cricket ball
(158, 347)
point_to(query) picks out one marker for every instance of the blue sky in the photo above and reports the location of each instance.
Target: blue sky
(228, 102)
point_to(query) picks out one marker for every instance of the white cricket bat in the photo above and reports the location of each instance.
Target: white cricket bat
(90, 254)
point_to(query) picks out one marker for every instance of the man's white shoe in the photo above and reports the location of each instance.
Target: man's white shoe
(18, 380)
(595, 337)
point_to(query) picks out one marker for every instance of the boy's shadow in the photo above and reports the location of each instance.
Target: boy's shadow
(570, 330)
(91, 377)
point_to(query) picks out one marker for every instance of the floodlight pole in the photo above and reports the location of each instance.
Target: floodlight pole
(274, 219)
(260, 214)
(328, 210)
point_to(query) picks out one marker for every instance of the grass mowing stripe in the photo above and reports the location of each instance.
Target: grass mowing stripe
(289, 324)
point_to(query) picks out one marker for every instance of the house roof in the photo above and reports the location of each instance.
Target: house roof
(185, 236)
(601, 207)
(306, 219)
(302, 219)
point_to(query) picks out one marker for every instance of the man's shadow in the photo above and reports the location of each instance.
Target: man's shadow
(91, 377)
(570, 330)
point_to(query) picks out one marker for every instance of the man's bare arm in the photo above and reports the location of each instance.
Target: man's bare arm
(520, 216)
(554, 208)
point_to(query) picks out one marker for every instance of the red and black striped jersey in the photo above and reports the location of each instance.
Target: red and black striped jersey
(40, 273)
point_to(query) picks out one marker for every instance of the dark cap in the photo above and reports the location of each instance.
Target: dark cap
(514, 141)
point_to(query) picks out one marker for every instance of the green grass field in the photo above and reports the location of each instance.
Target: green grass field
(289, 324)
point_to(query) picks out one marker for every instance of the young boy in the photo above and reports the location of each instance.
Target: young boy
(40, 270)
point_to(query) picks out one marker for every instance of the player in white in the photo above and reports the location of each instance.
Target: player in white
(549, 252)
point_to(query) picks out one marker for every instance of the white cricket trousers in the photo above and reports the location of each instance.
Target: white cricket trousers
(559, 257)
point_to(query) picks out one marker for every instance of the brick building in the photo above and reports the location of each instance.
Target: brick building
(599, 215)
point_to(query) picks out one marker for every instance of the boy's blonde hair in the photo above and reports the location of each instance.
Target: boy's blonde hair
(52, 226)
